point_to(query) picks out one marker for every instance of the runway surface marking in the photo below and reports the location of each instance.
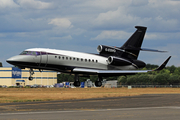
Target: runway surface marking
(91, 110)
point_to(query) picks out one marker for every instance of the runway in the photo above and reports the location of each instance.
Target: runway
(136, 107)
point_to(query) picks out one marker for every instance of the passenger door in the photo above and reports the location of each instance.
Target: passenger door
(44, 59)
(37, 58)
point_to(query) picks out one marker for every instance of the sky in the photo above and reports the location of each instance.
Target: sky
(82, 25)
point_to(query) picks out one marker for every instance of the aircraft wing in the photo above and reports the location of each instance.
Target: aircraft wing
(123, 72)
(108, 71)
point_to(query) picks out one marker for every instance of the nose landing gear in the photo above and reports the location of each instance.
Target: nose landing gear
(31, 73)
(76, 81)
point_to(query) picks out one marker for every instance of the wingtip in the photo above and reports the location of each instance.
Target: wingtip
(163, 65)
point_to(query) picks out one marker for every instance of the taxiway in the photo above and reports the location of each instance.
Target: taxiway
(159, 106)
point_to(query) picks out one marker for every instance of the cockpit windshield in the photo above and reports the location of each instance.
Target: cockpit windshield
(30, 53)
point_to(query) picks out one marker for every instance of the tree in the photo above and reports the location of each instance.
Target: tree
(132, 80)
(144, 79)
(122, 79)
(161, 79)
(151, 66)
(111, 78)
(1, 64)
(164, 71)
(171, 68)
(94, 78)
(177, 71)
(65, 78)
(174, 79)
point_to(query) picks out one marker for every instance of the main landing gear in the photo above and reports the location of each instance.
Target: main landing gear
(77, 83)
(98, 83)
(31, 73)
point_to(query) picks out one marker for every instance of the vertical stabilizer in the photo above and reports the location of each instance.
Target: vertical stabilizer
(133, 44)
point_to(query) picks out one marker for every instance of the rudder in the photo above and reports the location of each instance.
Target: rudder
(133, 44)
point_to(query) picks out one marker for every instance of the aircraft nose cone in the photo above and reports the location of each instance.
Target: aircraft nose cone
(12, 60)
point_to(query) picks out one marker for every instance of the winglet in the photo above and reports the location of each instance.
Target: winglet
(163, 65)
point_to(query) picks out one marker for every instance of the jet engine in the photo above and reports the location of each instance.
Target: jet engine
(118, 61)
(139, 63)
(106, 49)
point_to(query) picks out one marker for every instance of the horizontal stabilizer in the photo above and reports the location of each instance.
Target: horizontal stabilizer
(151, 50)
(144, 49)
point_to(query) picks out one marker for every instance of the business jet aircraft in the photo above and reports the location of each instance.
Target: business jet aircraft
(111, 61)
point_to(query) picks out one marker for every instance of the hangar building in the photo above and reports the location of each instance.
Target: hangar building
(12, 76)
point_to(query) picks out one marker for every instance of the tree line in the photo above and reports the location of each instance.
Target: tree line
(168, 76)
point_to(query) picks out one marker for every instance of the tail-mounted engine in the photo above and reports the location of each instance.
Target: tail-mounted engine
(106, 50)
(116, 56)
(118, 61)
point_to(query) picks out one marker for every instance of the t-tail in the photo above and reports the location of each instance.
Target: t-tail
(131, 48)
(133, 44)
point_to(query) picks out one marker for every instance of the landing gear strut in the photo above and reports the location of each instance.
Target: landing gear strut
(98, 83)
(31, 73)
(76, 81)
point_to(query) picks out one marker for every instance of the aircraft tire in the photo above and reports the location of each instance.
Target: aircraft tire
(30, 78)
(98, 83)
(76, 83)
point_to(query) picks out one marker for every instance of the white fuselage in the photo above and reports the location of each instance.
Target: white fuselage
(62, 60)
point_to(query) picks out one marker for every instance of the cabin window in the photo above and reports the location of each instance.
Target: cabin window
(63, 58)
(77, 59)
(70, 58)
(89, 60)
(24, 53)
(74, 58)
(37, 53)
(33, 53)
(81, 59)
(96, 61)
(55, 56)
(66, 58)
(30, 53)
(59, 57)
(85, 60)
(92, 60)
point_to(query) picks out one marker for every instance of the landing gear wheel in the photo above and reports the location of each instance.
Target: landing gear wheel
(98, 83)
(76, 83)
(30, 78)
(31, 73)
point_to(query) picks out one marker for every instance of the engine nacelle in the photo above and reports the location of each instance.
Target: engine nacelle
(118, 61)
(139, 63)
(105, 49)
